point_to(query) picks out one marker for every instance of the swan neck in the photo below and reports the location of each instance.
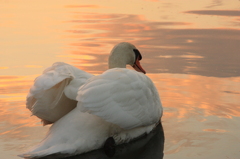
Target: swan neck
(116, 63)
(121, 56)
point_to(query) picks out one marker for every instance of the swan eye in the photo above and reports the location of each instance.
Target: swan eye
(137, 54)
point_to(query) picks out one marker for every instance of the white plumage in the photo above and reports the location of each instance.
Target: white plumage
(54, 92)
(121, 96)
(119, 103)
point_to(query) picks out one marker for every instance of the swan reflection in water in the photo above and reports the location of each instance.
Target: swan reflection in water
(148, 146)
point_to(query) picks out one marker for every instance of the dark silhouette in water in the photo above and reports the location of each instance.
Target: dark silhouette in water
(148, 146)
(109, 147)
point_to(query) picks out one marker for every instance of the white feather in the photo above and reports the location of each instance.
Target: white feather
(54, 92)
(121, 96)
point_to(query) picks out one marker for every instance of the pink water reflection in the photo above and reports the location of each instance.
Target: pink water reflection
(18, 129)
(196, 96)
(13, 90)
(198, 112)
(188, 50)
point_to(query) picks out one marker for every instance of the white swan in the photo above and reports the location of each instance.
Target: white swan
(120, 103)
(53, 93)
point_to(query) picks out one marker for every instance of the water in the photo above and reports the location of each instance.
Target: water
(190, 50)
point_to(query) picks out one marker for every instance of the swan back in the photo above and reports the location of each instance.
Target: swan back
(121, 96)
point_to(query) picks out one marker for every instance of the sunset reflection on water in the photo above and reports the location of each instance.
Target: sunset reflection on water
(17, 126)
(190, 51)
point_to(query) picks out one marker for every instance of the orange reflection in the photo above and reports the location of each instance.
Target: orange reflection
(196, 96)
(83, 6)
(198, 110)
(4, 67)
(215, 130)
(33, 66)
(83, 57)
(12, 85)
(17, 119)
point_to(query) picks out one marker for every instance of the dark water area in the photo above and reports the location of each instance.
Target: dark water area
(191, 51)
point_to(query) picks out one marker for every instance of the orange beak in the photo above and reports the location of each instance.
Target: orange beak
(138, 67)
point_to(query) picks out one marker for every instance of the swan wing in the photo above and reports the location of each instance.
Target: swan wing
(121, 96)
(53, 93)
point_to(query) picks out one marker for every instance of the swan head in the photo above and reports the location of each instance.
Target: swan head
(124, 54)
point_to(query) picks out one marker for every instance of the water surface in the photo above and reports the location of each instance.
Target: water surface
(190, 50)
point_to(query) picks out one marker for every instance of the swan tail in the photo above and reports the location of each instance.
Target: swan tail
(58, 151)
